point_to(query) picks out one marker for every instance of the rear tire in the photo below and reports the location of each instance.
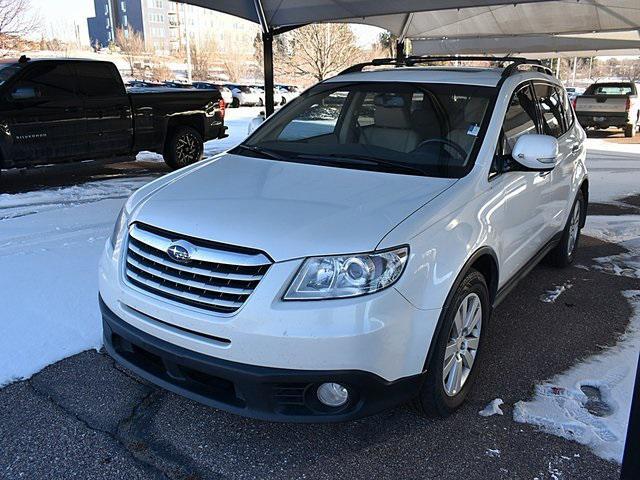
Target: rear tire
(564, 253)
(235, 103)
(457, 350)
(184, 147)
(629, 130)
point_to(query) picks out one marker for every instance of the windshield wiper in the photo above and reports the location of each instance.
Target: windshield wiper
(263, 151)
(367, 159)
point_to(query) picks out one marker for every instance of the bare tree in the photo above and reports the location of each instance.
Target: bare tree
(237, 66)
(16, 21)
(321, 50)
(203, 54)
(132, 47)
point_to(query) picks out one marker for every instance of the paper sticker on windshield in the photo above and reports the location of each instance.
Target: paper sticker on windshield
(473, 130)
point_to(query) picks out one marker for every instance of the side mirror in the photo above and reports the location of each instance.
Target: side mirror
(536, 152)
(24, 93)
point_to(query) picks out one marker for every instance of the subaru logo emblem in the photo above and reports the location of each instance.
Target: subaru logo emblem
(180, 251)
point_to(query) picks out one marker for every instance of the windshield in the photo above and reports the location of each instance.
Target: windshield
(8, 70)
(418, 129)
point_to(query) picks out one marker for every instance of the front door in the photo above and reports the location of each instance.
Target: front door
(523, 231)
(45, 116)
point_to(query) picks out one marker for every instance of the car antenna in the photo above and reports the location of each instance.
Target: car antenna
(24, 59)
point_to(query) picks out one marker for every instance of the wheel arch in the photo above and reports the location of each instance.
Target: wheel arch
(484, 260)
(195, 121)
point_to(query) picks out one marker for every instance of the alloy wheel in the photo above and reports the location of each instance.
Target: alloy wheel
(187, 149)
(574, 229)
(462, 346)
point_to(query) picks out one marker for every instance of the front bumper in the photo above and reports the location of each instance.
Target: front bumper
(275, 394)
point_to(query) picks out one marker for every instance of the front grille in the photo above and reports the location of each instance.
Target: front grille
(218, 278)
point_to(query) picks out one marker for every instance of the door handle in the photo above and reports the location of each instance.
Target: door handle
(545, 173)
(575, 147)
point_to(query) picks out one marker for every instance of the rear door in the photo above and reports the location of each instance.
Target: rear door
(45, 115)
(107, 107)
(523, 230)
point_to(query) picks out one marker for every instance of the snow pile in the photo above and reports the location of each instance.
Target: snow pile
(48, 273)
(550, 296)
(590, 402)
(492, 409)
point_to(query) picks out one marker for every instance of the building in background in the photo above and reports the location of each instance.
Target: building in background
(164, 25)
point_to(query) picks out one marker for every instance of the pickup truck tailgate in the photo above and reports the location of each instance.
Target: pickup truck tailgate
(602, 104)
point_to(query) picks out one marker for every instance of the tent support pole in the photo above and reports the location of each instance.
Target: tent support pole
(400, 52)
(267, 44)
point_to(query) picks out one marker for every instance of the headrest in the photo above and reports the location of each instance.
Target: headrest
(390, 111)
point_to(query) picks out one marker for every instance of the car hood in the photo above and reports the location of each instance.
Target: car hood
(288, 210)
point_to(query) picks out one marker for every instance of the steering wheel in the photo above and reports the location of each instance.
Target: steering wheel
(457, 148)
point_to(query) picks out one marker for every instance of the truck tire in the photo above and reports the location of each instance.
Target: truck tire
(629, 130)
(235, 103)
(457, 349)
(184, 146)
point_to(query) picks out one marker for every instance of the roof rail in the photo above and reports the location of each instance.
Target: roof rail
(512, 67)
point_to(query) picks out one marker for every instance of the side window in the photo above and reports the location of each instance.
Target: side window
(319, 119)
(98, 79)
(50, 80)
(567, 109)
(551, 109)
(520, 119)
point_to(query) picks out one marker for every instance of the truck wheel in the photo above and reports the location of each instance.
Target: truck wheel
(184, 147)
(454, 363)
(629, 130)
(564, 253)
(235, 103)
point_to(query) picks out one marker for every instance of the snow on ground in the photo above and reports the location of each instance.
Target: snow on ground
(590, 402)
(550, 296)
(623, 230)
(492, 409)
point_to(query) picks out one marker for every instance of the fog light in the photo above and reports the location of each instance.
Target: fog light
(332, 394)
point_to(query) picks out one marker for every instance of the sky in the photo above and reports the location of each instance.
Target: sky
(59, 16)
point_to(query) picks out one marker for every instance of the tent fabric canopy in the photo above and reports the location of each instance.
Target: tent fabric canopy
(538, 46)
(445, 18)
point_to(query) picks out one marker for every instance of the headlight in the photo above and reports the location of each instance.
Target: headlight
(347, 275)
(119, 228)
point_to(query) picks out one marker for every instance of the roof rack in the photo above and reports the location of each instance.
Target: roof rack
(510, 69)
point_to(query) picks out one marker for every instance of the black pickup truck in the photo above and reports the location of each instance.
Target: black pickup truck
(55, 110)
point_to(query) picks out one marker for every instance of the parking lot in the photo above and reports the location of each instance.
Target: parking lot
(85, 417)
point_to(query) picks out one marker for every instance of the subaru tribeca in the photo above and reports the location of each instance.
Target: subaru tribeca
(346, 257)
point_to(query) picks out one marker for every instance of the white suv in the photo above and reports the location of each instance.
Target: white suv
(347, 256)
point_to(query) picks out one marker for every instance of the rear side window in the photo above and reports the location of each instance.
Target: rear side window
(50, 80)
(567, 109)
(520, 118)
(98, 79)
(551, 109)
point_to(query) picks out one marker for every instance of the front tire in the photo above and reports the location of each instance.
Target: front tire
(184, 147)
(454, 363)
(564, 253)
